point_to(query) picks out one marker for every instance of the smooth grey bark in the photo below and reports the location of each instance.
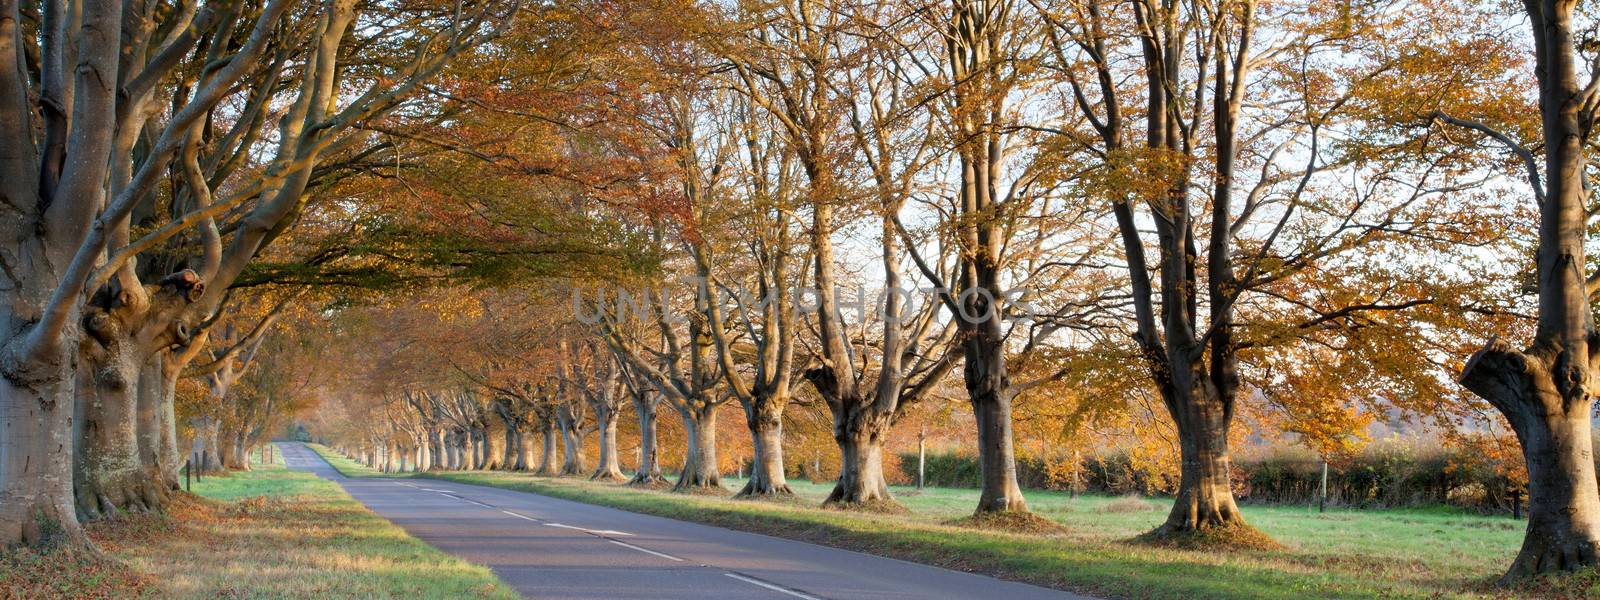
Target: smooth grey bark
(609, 467)
(1547, 392)
(548, 430)
(766, 466)
(700, 469)
(645, 404)
(913, 352)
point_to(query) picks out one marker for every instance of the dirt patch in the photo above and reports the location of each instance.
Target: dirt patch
(882, 507)
(1229, 538)
(718, 491)
(1011, 522)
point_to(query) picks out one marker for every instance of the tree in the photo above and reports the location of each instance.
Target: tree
(1545, 391)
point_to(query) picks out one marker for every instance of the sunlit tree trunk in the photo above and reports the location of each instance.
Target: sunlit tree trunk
(700, 453)
(1546, 392)
(610, 467)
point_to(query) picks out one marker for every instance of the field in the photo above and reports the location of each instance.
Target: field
(266, 533)
(1418, 553)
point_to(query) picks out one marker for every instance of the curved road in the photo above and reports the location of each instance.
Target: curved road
(551, 548)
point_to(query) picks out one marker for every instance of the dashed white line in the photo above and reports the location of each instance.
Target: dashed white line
(645, 550)
(564, 526)
(775, 588)
(520, 516)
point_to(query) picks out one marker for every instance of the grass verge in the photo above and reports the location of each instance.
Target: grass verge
(1412, 553)
(266, 533)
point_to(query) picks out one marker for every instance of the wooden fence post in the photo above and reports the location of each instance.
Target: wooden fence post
(922, 455)
(1322, 489)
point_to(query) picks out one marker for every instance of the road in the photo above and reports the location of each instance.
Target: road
(558, 549)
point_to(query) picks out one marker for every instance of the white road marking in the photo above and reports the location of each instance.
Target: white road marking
(599, 532)
(520, 516)
(774, 588)
(645, 550)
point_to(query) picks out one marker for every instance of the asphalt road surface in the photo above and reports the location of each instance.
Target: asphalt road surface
(551, 548)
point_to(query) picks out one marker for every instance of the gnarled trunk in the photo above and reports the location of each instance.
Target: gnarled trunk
(1205, 495)
(1552, 421)
(109, 476)
(861, 480)
(700, 455)
(572, 459)
(765, 419)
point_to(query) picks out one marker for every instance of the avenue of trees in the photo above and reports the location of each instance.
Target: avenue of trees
(473, 235)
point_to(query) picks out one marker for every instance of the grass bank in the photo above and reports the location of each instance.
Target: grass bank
(1413, 553)
(266, 533)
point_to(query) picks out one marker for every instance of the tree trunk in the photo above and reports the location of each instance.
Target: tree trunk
(1205, 493)
(649, 473)
(765, 420)
(109, 476)
(700, 456)
(573, 461)
(610, 467)
(168, 460)
(524, 460)
(1554, 430)
(36, 468)
(240, 453)
(438, 452)
(510, 450)
(861, 480)
(205, 449)
(494, 449)
(547, 459)
(986, 381)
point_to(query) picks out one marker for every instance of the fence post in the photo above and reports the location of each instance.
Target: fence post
(1516, 504)
(1322, 489)
(205, 457)
(188, 469)
(1077, 464)
(922, 456)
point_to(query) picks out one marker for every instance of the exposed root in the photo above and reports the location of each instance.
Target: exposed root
(650, 483)
(1010, 521)
(750, 491)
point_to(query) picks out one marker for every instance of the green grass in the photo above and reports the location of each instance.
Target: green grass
(1412, 553)
(266, 533)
